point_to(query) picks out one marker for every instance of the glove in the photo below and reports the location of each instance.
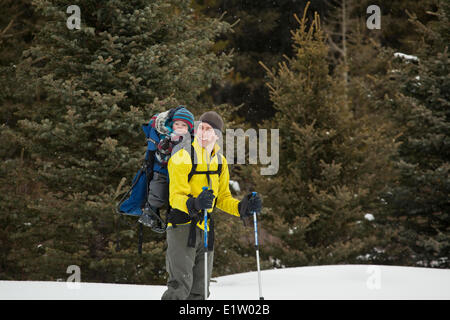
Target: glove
(164, 146)
(203, 201)
(250, 204)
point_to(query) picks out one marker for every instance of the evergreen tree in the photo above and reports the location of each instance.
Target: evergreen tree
(332, 165)
(418, 206)
(86, 93)
(261, 34)
(18, 22)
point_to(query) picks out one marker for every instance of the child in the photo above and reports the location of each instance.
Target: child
(171, 132)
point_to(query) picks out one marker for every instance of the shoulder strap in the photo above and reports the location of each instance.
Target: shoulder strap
(194, 166)
(152, 141)
(219, 167)
(194, 163)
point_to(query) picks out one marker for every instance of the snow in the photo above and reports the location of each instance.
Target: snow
(235, 186)
(405, 56)
(337, 282)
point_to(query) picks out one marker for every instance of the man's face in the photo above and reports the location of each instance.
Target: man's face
(206, 135)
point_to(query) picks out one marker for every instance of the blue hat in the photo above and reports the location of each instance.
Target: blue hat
(183, 114)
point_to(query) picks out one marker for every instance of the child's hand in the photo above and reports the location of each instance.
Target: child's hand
(164, 145)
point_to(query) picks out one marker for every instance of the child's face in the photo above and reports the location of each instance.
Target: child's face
(180, 127)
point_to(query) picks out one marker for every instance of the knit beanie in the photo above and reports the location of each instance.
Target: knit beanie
(184, 115)
(213, 119)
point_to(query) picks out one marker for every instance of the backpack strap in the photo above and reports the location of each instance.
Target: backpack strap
(178, 217)
(208, 172)
(194, 163)
(152, 141)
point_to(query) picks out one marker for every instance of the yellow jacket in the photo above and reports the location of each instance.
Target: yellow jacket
(179, 167)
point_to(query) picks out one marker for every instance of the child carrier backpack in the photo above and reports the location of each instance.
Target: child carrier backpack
(134, 200)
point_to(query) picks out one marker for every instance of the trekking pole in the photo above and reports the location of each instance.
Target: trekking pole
(205, 243)
(255, 223)
(205, 239)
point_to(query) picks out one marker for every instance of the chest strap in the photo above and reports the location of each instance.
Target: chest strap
(209, 172)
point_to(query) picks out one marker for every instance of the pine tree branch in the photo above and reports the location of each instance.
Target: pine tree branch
(266, 68)
(433, 13)
(39, 59)
(335, 46)
(413, 19)
(7, 28)
(10, 24)
(12, 35)
(235, 23)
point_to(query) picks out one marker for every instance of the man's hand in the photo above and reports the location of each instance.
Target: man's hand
(203, 201)
(249, 204)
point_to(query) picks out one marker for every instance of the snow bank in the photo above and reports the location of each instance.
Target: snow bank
(341, 282)
(338, 282)
(48, 290)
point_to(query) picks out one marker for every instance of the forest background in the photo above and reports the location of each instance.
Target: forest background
(362, 112)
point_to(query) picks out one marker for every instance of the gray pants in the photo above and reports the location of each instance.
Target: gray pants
(186, 265)
(158, 190)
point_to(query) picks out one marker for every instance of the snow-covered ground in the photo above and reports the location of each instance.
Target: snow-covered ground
(320, 282)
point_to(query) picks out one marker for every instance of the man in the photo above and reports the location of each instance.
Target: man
(185, 249)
